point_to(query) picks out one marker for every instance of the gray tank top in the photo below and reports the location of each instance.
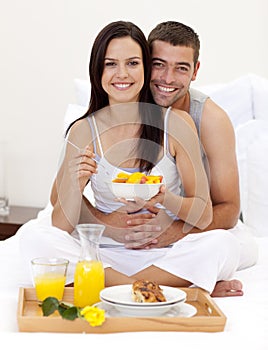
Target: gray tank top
(197, 101)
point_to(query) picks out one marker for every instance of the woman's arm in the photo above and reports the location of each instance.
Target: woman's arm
(195, 207)
(74, 174)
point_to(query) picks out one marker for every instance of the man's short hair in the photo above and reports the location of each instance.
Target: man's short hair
(176, 33)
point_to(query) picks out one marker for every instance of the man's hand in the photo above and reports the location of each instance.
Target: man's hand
(171, 231)
(154, 229)
(144, 230)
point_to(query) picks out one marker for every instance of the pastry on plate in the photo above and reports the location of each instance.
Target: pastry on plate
(147, 292)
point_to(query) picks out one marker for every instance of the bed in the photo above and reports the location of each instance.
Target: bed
(245, 99)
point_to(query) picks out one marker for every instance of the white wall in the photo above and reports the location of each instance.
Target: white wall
(45, 45)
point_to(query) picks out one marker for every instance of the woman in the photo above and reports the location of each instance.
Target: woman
(123, 131)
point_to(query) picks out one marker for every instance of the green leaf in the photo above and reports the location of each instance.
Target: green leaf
(49, 305)
(70, 313)
(67, 305)
(63, 307)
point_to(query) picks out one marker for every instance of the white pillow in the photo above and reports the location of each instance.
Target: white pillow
(234, 97)
(72, 113)
(82, 91)
(260, 96)
(249, 144)
(210, 88)
(257, 204)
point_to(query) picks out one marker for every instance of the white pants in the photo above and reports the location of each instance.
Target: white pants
(203, 259)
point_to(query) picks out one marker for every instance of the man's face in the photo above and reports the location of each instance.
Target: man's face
(172, 72)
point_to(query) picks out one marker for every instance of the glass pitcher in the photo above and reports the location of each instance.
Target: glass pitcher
(89, 271)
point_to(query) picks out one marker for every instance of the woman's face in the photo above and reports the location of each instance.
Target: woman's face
(123, 73)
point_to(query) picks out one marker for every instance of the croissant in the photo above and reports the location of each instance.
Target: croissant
(147, 292)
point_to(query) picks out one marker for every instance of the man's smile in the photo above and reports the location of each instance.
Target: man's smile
(165, 88)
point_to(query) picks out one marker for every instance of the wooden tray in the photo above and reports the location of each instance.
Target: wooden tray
(209, 318)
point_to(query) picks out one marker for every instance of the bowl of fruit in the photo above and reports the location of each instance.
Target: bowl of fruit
(129, 186)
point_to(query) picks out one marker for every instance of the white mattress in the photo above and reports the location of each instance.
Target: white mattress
(247, 316)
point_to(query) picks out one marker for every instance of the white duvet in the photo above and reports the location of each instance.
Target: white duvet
(246, 326)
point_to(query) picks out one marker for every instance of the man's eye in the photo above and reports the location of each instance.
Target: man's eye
(183, 69)
(158, 64)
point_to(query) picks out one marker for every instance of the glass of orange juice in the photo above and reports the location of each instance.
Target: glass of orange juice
(49, 276)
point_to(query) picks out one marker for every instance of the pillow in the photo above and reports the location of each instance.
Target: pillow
(250, 146)
(234, 97)
(72, 113)
(260, 96)
(209, 89)
(257, 170)
(82, 91)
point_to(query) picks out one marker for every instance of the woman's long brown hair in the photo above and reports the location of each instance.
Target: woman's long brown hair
(151, 116)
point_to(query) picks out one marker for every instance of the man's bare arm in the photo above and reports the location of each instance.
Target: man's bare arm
(218, 139)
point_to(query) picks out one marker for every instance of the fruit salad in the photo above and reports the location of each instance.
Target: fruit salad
(138, 178)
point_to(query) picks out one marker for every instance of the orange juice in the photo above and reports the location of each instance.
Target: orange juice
(88, 282)
(49, 285)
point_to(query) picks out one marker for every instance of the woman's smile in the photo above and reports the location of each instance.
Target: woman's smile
(122, 86)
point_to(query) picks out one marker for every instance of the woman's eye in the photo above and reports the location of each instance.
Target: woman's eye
(133, 63)
(109, 64)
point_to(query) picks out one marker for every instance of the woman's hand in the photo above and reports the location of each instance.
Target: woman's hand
(83, 166)
(157, 199)
(138, 203)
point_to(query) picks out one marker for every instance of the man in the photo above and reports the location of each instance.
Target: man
(175, 52)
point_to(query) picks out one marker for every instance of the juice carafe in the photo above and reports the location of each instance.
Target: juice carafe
(89, 272)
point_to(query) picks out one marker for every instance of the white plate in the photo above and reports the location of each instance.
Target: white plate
(178, 310)
(138, 310)
(123, 295)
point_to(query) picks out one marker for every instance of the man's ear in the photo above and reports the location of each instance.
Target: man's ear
(197, 66)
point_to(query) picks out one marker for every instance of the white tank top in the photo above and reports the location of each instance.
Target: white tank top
(104, 198)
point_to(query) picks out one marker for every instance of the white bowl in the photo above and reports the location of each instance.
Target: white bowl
(129, 190)
(142, 311)
(122, 294)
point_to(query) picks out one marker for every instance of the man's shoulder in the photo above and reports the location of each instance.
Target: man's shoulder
(197, 95)
(209, 104)
(215, 120)
(207, 114)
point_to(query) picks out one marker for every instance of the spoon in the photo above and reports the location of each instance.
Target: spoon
(98, 162)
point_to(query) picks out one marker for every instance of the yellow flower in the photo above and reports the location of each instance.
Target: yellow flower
(93, 315)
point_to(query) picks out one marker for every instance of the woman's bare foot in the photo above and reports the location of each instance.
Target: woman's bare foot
(231, 288)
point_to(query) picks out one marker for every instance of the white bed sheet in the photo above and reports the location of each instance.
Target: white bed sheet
(247, 316)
